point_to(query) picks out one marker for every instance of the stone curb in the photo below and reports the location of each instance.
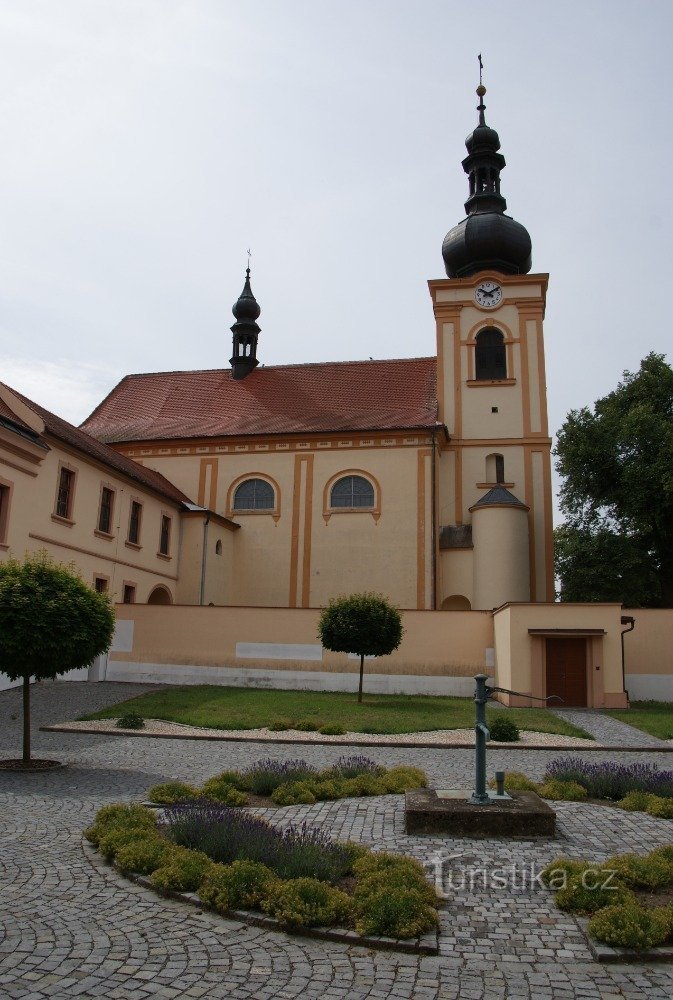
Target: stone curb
(426, 944)
(354, 743)
(606, 953)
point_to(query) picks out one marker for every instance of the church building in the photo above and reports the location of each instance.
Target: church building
(425, 479)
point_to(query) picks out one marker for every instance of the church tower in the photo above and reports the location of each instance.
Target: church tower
(494, 474)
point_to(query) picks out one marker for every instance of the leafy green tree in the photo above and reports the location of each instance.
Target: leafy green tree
(50, 622)
(365, 624)
(617, 496)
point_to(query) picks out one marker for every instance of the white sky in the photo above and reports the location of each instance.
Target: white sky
(146, 144)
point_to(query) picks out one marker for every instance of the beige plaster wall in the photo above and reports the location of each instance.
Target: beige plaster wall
(648, 648)
(219, 568)
(33, 525)
(456, 568)
(448, 643)
(501, 570)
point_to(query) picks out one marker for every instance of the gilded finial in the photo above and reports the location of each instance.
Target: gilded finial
(481, 90)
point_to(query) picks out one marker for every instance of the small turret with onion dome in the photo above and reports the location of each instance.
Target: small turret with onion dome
(245, 330)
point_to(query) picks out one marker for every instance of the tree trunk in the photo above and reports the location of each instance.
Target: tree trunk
(362, 670)
(26, 718)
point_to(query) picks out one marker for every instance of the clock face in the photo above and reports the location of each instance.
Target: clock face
(488, 294)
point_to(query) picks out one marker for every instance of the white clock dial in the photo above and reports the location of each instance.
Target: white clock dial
(488, 294)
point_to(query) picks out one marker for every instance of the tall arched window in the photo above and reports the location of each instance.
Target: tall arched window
(254, 494)
(495, 469)
(352, 491)
(490, 355)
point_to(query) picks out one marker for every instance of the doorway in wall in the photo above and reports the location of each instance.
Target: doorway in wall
(566, 661)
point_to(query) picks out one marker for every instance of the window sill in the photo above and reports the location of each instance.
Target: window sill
(372, 511)
(133, 545)
(3, 546)
(103, 534)
(62, 520)
(488, 383)
(492, 486)
(164, 556)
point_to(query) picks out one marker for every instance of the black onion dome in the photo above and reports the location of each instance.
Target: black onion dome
(487, 239)
(246, 306)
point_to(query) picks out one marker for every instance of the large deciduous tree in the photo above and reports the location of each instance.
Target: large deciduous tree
(365, 624)
(50, 622)
(617, 495)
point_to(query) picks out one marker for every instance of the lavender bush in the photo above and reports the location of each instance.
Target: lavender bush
(227, 835)
(354, 766)
(266, 775)
(610, 780)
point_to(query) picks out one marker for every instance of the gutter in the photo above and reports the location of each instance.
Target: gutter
(631, 622)
(204, 555)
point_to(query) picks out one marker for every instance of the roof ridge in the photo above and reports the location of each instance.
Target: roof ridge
(298, 364)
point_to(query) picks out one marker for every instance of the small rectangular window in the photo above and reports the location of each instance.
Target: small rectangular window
(165, 538)
(100, 585)
(129, 593)
(134, 522)
(105, 512)
(4, 512)
(64, 496)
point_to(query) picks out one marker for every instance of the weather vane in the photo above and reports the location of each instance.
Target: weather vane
(249, 259)
(481, 66)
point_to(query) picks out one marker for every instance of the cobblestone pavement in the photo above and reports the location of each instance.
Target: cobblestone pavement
(609, 731)
(72, 929)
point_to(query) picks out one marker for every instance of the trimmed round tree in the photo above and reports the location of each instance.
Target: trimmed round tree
(364, 624)
(50, 622)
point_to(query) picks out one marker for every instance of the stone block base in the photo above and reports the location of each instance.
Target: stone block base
(522, 815)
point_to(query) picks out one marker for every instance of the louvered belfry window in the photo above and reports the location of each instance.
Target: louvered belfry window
(490, 355)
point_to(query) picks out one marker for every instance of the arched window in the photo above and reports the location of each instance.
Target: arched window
(160, 595)
(352, 491)
(490, 356)
(456, 603)
(254, 494)
(218, 547)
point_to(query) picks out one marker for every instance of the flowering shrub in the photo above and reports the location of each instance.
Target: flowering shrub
(629, 926)
(306, 902)
(611, 780)
(266, 775)
(355, 765)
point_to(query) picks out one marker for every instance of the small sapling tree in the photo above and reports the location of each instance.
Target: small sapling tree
(50, 622)
(365, 624)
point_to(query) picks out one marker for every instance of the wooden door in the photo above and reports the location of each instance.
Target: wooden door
(567, 672)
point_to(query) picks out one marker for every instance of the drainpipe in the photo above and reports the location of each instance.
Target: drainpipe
(434, 524)
(631, 622)
(203, 558)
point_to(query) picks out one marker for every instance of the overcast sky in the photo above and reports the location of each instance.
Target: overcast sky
(146, 144)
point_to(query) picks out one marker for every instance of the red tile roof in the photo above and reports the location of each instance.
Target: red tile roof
(83, 442)
(285, 399)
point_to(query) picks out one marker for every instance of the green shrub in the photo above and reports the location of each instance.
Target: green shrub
(130, 721)
(307, 726)
(236, 779)
(399, 914)
(374, 862)
(579, 898)
(172, 791)
(566, 791)
(326, 790)
(332, 729)
(400, 779)
(279, 725)
(143, 855)
(558, 871)
(635, 801)
(665, 852)
(355, 852)
(294, 793)
(222, 791)
(652, 872)
(240, 885)
(394, 880)
(181, 870)
(306, 902)
(515, 781)
(629, 926)
(111, 841)
(120, 814)
(504, 730)
(660, 807)
(364, 784)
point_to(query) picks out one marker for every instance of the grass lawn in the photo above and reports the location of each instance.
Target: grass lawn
(245, 708)
(653, 717)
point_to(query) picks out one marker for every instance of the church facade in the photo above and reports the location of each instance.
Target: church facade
(426, 479)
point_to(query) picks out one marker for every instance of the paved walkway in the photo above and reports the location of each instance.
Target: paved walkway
(77, 929)
(609, 731)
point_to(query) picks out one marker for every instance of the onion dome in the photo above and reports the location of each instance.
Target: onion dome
(487, 239)
(245, 330)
